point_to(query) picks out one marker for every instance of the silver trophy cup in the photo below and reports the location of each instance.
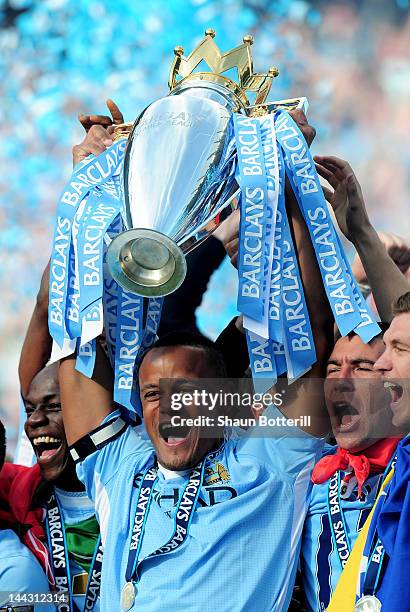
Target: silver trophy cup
(179, 184)
(180, 161)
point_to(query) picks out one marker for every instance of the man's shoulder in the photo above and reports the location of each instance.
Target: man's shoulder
(11, 546)
(8, 538)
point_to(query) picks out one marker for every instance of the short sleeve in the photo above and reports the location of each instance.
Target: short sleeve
(281, 444)
(100, 454)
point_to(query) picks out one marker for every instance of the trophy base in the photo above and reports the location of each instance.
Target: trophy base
(146, 262)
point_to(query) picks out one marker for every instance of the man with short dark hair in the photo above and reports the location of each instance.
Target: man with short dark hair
(376, 573)
(189, 521)
(349, 476)
(172, 547)
(61, 493)
(68, 521)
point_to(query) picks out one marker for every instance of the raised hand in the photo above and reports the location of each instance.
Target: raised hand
(87, 121)
(308, 131)
(346, 197)
(99, 130)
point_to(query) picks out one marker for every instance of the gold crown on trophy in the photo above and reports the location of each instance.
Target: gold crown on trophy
(240, 57)
(207, 51)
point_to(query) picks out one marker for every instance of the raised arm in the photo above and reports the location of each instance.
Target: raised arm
(385, 278)
(85, 401)
(36, 349)
(305, 397)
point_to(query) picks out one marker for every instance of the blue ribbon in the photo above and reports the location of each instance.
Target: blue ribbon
(367, 328)
(129, 333)
(252, 230)
(152, 322)
(98, 217)
(92, 173)
(298, 338)
(292, 327)
(276, 334)
(337, 522)
(262, 362)
(269, 150)
(72, 311)
(85, 361)
(102, 207)
(110, 294)
(306, 184)
(275, 326)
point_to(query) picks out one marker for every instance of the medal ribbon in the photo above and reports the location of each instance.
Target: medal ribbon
(182, 521)
(374, 549)
(183, 514)
(60, 562)
(337, 521)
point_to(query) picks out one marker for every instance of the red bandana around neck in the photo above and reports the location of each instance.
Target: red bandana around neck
(373, 459)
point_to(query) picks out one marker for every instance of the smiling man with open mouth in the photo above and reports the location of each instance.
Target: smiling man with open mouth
(394, 363)
(70, 517)
(45, 430)
(390, 525)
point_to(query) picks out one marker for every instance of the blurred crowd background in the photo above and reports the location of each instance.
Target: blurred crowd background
(59, 58)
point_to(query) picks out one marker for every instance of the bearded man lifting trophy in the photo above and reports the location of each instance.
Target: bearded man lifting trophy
(128, 217)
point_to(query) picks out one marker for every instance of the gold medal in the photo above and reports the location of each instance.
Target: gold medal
(368, 603)
(127, 596)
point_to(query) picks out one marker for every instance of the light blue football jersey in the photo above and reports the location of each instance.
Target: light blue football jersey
(75, 507)
(20, 572)
(320, 563)
(244, 540)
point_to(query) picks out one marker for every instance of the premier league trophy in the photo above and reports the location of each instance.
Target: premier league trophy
(179, 167)
(170, 179)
